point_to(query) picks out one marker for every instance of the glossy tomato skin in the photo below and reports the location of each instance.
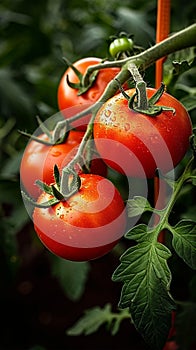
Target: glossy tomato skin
(38, 161)
(87, 225)
(171, 345)
(137, 144)
(120, 45)
(68, 97)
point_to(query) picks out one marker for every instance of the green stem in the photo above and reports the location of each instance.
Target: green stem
(142, 100)
(78, 157)
(178, 41)
(182, 39)
(165, 213)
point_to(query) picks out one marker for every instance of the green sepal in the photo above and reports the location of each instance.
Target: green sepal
(46, 204)
(76, 86)
(157, 95)
(80, 85)
(55, 137)
(44, 129)
(43, 186)
(35, 138)
(57, 194)
(153, 111)
(57, 176)
(76, 71)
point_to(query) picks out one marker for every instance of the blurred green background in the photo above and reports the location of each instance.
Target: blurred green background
(38, 297)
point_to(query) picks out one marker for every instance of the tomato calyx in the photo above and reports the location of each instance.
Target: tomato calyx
(81, 86)
(56, 137)
(69, 182)
(71, 185)
(140, 103)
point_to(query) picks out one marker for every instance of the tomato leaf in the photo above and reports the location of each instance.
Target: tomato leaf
(91, 321)
(95, 317)
(138, 205)
(184, 241)
(189, 102)
(146, 277)
(180, 67)
(139, 233)
(71, 275)
(193, 178)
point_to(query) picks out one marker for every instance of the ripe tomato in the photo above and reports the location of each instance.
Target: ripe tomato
(87, 225)
(137, 144)
(68, 96)
(38, 161)
(171, 345)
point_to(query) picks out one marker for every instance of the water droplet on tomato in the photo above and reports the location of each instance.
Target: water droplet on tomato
(116, 125)
(93, 95)
(55, 153)
(154, 138)
(72, 203)
(107, 113)
(127, 126)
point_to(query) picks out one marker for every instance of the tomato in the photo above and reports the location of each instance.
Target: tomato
(68, 96)
(85, 226)
(38, 161)
(120, 45)
(171, 345)
(136, 144)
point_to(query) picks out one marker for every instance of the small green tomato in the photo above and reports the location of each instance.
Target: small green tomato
(120, 45)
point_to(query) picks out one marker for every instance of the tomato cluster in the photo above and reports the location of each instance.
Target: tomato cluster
(89, 223)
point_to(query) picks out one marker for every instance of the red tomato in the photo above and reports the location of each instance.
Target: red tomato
(137, 144)
(38, 161)
(87, 225)
(68, 96)
(171, 345)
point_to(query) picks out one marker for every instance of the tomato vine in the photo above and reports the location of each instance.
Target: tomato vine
(143, 268)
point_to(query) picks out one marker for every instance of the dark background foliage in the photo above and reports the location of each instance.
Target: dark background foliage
(36, 305)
